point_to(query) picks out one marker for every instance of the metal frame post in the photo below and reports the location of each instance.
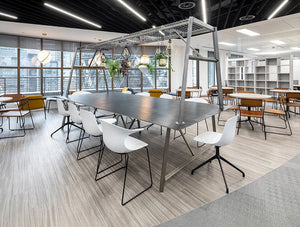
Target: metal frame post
(218, 68)
(185, 70)
(71, 74)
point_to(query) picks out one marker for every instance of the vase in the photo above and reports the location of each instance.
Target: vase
(102, 65)
(162, 62)
(128, 64)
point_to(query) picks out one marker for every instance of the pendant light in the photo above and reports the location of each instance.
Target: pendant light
(44, 56)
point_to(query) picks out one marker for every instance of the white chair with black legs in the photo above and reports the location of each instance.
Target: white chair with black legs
(118, 140)
(91, 127)
(220, 140)
(63, 112)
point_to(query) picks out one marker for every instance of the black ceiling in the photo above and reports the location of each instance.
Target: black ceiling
(114, 17)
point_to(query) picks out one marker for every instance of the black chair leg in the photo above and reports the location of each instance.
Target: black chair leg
(227, 190)
(229, 163)
(124, 184)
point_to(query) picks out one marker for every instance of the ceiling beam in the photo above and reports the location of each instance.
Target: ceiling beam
(238, 13)
(228, 14)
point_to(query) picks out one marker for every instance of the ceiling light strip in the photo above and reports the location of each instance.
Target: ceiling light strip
(248, 32)
(203, 3)
(277, 10)
(132, 10)
(8, 15)
(71, 15)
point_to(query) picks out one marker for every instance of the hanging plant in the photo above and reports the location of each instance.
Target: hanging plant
(146, 67)
(103, 61)
(114, 67)
(125, 65)
(162, 59)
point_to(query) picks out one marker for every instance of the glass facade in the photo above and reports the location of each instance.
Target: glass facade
(21, 71)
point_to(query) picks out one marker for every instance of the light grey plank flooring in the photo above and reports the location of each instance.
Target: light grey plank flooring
(42, 183)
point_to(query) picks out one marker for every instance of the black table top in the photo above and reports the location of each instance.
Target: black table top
(158, 111)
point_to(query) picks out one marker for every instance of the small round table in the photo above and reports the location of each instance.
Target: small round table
(5, 99)
(250, 96)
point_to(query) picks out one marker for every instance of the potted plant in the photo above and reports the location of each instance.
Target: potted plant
(146, 67)
(114, 67)
(162, 59)
(125, 65)
(103, 62)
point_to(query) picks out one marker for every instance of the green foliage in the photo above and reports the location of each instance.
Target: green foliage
(161, 55)
(114, 67)
(150, 67)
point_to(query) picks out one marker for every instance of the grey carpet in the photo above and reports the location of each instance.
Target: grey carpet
(272, 200)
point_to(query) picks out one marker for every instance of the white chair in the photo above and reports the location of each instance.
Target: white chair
(143, 94)
(92, 128)
(219, 140)
(118, 140)
(63, 112)
(166, 96)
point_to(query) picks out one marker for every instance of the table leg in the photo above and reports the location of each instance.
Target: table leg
(164, 161)
(186, 142)
(213, 121)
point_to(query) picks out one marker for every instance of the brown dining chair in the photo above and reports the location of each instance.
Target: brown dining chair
(292, 100)
(246, 92)
(282, 113)
(252, 108)
(187, 94)
(239, 89)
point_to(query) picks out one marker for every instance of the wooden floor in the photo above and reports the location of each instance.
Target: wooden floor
(42, 183)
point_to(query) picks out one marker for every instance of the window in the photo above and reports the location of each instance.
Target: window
(52, 81)
(211, 70)
(8, 81)
(30, 80)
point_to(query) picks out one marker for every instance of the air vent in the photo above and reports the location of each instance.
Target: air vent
(186, 4)
(246, 18)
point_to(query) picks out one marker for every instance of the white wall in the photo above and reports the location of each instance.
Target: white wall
(296, 70)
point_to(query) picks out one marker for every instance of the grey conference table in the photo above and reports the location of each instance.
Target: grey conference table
(163, 112)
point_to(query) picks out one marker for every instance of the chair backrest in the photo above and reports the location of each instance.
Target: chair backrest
(251, 102)
(281, 88)
(155, 92)
(114, 137)
(246, 92)
(240, 89)
(293, 95)
(228, 132)
(166, 96)
(227, 91)
(192, 87)
(23, 104)
(187, 94)
(35, 102)
(74, 113)
(124, 89)
(142, 94)
(89, 123)
(198, 100)
(61, 107)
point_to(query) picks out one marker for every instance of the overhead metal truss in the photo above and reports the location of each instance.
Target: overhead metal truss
(183, 30)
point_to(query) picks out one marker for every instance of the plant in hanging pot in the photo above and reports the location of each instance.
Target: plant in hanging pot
(146, 67)
(162, 59)
(114, 67)
(103, 62)
(125, 65)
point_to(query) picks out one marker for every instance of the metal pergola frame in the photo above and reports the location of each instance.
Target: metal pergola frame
(183, 30)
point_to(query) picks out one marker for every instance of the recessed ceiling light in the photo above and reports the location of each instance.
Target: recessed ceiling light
(253, 49)
(71, 15)
(278, 42)
(99, 40)
(203, 5)
(277, 9)
(295, 48)
(153, 26)
(226, 44)
(132, 10)
(8, 15)
(248, 32)
(44, 33)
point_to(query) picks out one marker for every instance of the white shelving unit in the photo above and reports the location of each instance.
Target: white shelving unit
(260, 74)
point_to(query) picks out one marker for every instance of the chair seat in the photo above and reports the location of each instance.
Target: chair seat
(15, 113)
(251, 113)
(270, 100)
(274, 111)
(293, 104)
(228, 98)
(234, 107)
(8, 109)
(208, 137)
(133, 144)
